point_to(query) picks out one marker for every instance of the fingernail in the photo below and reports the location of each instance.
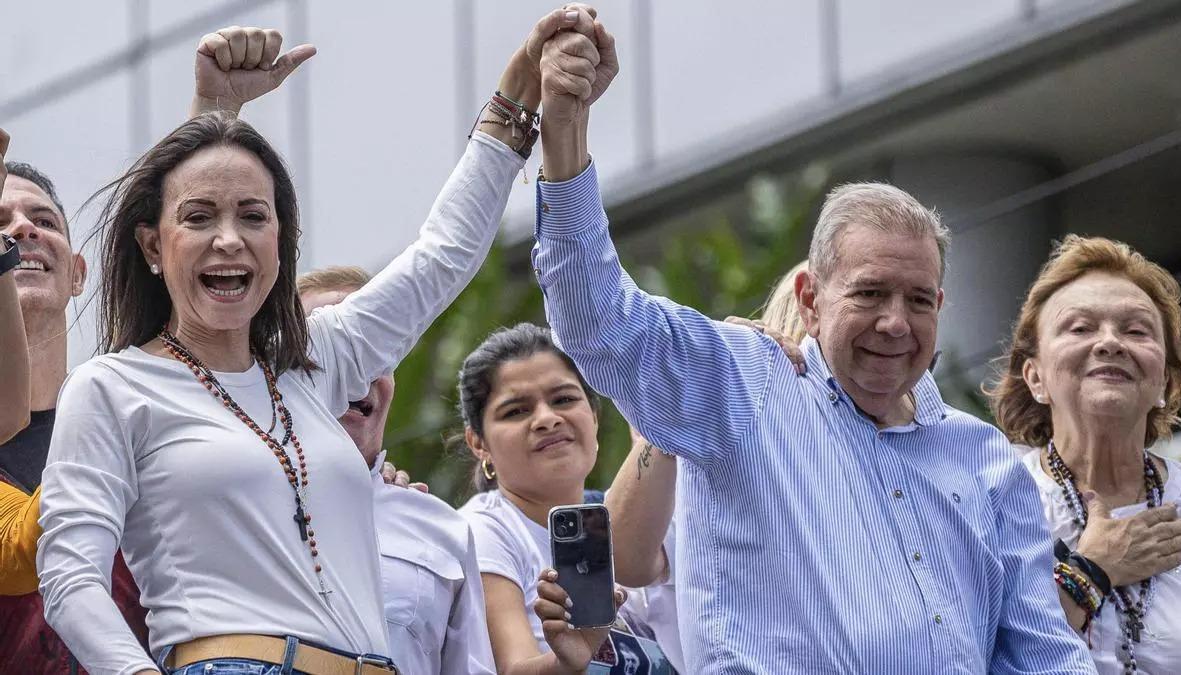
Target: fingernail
(568, 617)
(569, 603)
(572, 15)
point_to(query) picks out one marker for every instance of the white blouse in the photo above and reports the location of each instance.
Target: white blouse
(1159, 650)
(431, 589)
(144, 457)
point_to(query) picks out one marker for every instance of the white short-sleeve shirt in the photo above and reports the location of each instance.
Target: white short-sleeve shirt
(432, 596)
(511, 545)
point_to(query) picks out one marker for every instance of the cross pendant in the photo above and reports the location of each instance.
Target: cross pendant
(1135, 621)
(299, 520)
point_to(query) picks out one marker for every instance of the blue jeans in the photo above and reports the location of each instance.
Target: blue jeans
(233, 667)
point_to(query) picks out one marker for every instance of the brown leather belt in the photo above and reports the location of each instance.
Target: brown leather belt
(308, 659)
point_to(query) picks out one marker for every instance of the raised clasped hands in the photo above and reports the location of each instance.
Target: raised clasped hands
(576, 67)
(236, 65)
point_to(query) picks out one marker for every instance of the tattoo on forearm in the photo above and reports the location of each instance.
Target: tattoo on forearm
(644, 460)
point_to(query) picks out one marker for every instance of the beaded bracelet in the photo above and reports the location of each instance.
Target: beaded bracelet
(1091, 597)
(512, 113)
(1092, 570)
(1080, 589)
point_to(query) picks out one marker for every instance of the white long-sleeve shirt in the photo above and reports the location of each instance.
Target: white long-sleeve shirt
(431, 588)
(142, 455)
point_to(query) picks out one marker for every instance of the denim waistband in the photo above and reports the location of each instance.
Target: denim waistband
(288, 655)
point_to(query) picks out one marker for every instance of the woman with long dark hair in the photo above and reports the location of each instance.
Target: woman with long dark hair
(205, 441)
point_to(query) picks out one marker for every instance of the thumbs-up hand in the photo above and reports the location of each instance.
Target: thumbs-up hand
(236, 65)
(1131, 549)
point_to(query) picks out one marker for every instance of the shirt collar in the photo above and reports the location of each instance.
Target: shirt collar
(378, 462)
(929, 407)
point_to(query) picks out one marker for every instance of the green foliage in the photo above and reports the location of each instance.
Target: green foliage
(723, 258)
(960, 381)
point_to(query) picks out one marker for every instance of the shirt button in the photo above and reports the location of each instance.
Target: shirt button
(917, 556)
(955, 497)
(939, 618)
(898, 494)
(544, 207)
(832, 396)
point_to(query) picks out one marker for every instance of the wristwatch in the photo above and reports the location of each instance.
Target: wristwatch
(11, 257)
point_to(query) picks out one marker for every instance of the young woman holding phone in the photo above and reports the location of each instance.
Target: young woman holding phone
(531, 423)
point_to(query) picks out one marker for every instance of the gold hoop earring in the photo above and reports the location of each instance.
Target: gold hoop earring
(489, 470)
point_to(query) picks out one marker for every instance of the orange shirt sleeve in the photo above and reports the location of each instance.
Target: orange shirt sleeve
(18, 540)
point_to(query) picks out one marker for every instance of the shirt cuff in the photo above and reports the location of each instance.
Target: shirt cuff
(567, 208)
(495, 144)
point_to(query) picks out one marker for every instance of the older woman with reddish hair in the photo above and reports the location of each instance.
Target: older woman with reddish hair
(1092, 379)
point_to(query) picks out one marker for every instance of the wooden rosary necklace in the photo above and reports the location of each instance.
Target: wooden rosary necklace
(297, 479)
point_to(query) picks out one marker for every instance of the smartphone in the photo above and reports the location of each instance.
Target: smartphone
(580, 539)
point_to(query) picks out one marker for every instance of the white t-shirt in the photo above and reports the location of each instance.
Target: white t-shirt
(1159, 650)
(511, 545)
(144, 456)
(434, 601)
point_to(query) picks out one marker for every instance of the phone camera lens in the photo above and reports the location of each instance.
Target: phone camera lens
(565, 525)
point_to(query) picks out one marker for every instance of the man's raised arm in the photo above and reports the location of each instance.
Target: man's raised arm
(14, 351)
(691, 385)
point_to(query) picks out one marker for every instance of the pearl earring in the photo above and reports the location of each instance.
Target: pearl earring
(155, 269)
(1039, 398)
(1160, 403)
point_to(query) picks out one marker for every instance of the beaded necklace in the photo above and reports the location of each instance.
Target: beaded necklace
(298, 481)
(1133, 611)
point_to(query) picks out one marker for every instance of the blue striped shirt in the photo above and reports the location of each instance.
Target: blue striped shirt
(812, 541)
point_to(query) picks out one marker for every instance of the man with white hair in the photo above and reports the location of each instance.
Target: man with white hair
(845, 521)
